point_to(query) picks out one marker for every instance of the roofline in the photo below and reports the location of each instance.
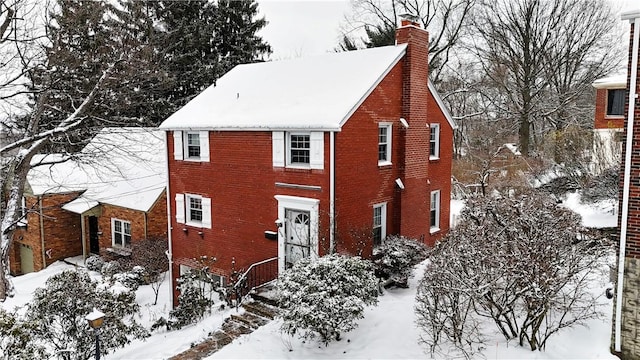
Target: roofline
(441, 105)
(630, 15)
(255, 129)
(610, 85)
(374, 85)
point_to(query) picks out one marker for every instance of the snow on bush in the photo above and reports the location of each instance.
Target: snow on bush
(110, 268)
(397, 255)
(325, 297)
(94, 263)
(524, 262)
(55, 318)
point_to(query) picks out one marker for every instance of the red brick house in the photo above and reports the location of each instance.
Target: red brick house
(625, 340)
(93, 205)
(294, 158)
(609, 122)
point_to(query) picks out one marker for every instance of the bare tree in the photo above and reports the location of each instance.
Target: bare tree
(542, 55)
(444, 19)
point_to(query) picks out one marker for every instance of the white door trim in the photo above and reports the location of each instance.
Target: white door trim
(302, 204)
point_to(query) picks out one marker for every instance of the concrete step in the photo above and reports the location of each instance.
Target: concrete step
(250, 319)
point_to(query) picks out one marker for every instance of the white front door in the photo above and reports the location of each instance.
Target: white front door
(297, 243)
(298, 229)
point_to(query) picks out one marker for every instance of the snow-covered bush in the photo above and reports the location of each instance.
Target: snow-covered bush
(325, 297)
(397, 255)
(128, 279)
(524, 262)
(196, 299)
(94, 263)
(16, 341)
(56, 315)
(110, 268)
(603, 186)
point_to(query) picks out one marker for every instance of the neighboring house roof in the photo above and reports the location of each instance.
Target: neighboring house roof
(314, 93)
(120, 166)
(611, 82)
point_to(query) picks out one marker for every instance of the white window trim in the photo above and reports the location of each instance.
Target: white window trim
(183, 211)
(436, 193)
(389, 127)
(435, 127)
(181, 146)
(281, 149)
(383, 220)
(113, 232)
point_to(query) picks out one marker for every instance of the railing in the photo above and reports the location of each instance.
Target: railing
(255, 276)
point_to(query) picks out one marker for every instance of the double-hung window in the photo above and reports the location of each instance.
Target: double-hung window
(191, 145)
(615, 102)
(434, 141)
(120, 233)
(435, 211)
(384, 143)
(299, 149)
(194, 210)
(379, 228)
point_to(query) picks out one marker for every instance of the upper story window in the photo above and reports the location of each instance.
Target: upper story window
(384, 144)
(194, 210)
(434, 141)
(191, 145)
(120, 233)
(435, 211)
(615, 102)
(298, 149)
(379, 228)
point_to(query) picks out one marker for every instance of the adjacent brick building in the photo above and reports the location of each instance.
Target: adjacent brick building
(626, 322)
(609, 122)
(113, 195)
(291, 159)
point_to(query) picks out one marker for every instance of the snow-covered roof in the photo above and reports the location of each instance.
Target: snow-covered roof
(317, 93)
(611, 82)
(120, 166)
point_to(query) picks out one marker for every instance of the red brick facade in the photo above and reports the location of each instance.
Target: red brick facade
(242, 181)
(602, 120)
(57, 233)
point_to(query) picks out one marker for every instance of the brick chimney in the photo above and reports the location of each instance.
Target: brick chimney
(415, 197)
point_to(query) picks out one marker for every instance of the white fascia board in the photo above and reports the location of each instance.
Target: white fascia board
(256, 129)
(631, 15)
(373, 86)
(441, 105)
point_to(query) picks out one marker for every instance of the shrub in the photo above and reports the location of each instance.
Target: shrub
(94, 263)
(129, 279)
(196, 299)
(326, 296)
(57, 315)
(397, 255)
(110, 268)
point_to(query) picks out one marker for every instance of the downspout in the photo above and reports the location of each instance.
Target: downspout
(626, 185)
(170, 251)
(44, 260)
(332, 192)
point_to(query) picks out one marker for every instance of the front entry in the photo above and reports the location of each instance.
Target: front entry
(297, 229)
(26, 259)
(94, 243)
(297, 243)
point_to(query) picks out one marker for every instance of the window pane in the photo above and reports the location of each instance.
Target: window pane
(382, 152)
(377, 216)
(615, 102)
(117, 239)
(127, 228)
(433, 218)
(382, 135)
(127, 240)
(193, 145)
(377, 236)
(195, 209)
(300, 149)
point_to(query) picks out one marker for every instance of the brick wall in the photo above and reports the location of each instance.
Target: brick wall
(602, 121)
(61, 229)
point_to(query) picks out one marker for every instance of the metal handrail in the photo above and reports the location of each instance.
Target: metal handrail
(241, 288)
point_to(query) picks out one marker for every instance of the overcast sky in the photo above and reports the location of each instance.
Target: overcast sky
(300, 28)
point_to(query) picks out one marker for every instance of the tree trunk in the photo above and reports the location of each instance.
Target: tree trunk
(524, 135)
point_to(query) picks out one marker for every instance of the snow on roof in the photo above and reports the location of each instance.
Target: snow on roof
(120, 166)
(319, 92)
(611, 82)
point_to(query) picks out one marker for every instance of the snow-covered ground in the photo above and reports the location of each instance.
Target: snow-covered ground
(388, 330)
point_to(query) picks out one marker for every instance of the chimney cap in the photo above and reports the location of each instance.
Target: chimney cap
(409, 17)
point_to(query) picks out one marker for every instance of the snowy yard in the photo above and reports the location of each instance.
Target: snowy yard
(387, 331)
